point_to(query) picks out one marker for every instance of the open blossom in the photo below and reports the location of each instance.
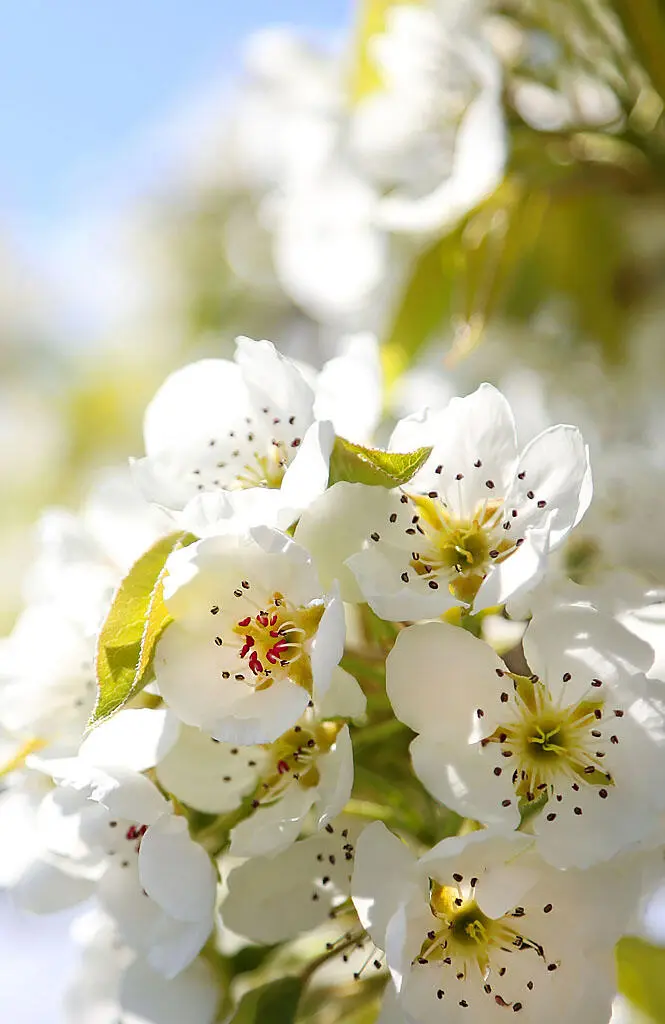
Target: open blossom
(476, 523)
(253, 640)
(246, 426)
(272, 899)
(480, 925)
(582, 739)
(112, 827)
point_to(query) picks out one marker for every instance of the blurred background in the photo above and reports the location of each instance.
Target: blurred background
(479, 184)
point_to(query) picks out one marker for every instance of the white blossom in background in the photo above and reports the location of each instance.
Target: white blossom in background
(475, 525)
(433, 134)
(254, 640)
(112, 828)
(112, 984)
(47, 671)
(586, 731)
(480, 925)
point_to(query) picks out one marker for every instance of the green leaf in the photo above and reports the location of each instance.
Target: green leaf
(274, 1003)
(373, 466)
(249, 958)
(643, 22)
(424, 306)
(134, 624)
(641, 971)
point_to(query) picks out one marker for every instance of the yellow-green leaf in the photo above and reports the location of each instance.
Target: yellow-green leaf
(641, 970)
(134, 624)
(274, 1003)
(373, 466)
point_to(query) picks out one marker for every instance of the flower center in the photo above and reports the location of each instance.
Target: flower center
(467, 946)
(550, 742)
(460, 549)
(293, 758)
(274, 642)
(264, 470)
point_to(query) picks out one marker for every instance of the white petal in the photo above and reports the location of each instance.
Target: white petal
(126, 794)
(344, 698)
(460, 776)
(348, 389)
(335, 778)
(273, 379)
(438, 676)
(209, 776)
(555, 468)
(382, 871)
(518, 573)
(134, 738)
(45, 888)
(262, 717)
(175, 871)
(271, 829)
(187, 406)
(147, 998)
(335, 526)
(475, 442)
(307, 476)
(176, 945)
(328, 644)
(378, 574)
(478, 166)
(578, 639)
(271, 899)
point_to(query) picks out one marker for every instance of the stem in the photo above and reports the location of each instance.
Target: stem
(313, 966)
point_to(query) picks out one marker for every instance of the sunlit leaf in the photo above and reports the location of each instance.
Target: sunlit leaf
(359, 465)
(136, 620)
(641, 970)
(274, 1003)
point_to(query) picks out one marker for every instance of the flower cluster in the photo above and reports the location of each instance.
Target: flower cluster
(276, 602)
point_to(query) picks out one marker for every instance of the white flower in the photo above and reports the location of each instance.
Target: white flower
(349, 389)
(585, 733)
(434, 133)
(309, 768)
(253, 639)
(272, 899)
(330, 255)
(111, 983)
(476, 523)
(243, 430)
(155, 882)
(480, 925)
(47, 677)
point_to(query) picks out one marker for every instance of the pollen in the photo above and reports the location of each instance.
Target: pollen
(553, 744)
(274, 642)
(461, 550)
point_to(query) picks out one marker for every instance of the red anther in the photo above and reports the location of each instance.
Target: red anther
(275, 632)
(245, 622)
(255, 664)
(131, 832)
(272, 657)
(273, 620)
(249, 643)
(262, 619)
(282, 767)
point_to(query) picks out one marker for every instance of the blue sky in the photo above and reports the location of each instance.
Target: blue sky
(82, 80)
